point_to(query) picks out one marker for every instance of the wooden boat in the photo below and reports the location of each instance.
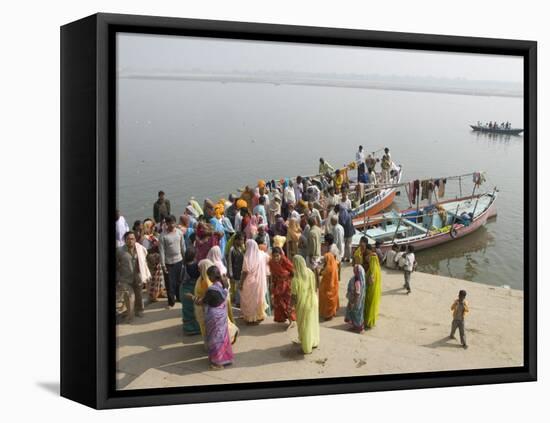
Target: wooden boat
(425, 228)
(380, 201)
(509, 131)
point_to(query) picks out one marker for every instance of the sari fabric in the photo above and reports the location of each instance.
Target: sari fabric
(293, 237)
(358, 257)
(356, 298)
(303, 288)
(215, 256)
(281, 275)
(218, 227)
(201, 286)
(154, 284)
(328, 288)
(251, 229)
(217, 330)
(190, 324)
(253, 288)
(204, 242)
(374, 290)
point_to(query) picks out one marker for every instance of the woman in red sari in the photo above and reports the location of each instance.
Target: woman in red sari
(282, 271)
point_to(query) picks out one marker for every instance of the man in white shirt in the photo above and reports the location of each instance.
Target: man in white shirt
(313, 212)
(289, 195)
(360, 155)
(292, 213)
(345, 202)
(386, 165)
(389, 257)
(408, 267)
(338, 234)
(314, 193)
(332, 198)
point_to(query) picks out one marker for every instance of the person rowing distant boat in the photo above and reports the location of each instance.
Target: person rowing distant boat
(503, 127)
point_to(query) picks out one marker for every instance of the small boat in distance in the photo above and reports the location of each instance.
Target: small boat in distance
(497, 130)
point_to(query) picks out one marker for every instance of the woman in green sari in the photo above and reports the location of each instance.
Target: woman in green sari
(304, 296)
(374, 288)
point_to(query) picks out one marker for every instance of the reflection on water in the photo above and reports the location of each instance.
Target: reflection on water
(458, 258)
(496, 137)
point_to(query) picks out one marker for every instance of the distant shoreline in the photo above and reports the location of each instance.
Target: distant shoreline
(336, 83)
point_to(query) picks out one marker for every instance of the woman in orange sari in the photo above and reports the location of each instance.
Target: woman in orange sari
(328, 288)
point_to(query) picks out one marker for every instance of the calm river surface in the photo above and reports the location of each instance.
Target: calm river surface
(205, 139)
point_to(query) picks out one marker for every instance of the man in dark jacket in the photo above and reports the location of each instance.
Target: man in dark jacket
(345, 219)
(161, 208)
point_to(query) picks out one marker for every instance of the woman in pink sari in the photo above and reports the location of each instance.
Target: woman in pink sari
(216, 326)
(253, 284)
(251, 229)
(215, 256)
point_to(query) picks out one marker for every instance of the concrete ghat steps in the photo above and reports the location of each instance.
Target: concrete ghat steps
(410, 336)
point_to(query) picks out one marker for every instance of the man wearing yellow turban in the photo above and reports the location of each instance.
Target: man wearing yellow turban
(241, 204)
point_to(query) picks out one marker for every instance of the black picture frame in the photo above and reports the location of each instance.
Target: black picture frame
(88, 180)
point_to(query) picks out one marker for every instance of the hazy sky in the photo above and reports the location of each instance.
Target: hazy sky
(159, 52)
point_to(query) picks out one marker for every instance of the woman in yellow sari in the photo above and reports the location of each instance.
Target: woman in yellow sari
(374, 288)
(293, 237)
(304, 296)
(201, 286)
(360, 253)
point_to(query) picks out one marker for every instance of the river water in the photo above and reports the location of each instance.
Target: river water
(205, 139)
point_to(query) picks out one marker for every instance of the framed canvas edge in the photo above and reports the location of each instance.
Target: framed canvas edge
(107, 23)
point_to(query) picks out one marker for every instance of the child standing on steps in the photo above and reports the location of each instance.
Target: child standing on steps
(459, 309)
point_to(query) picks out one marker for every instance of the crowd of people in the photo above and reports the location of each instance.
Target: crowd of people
(276, 249)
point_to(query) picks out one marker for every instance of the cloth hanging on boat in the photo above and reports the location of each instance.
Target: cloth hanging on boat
(427, 187)
(478, 178)
(344, 173)
(411, 193)
(414, 187)
(441, 190)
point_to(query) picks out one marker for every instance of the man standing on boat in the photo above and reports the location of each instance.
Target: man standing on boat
(359, 160)
(386, 165)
